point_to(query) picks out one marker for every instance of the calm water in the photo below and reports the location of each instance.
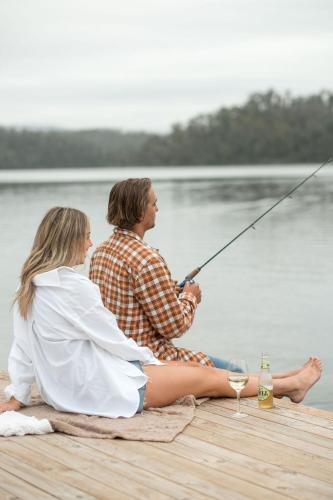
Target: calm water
(272, 290)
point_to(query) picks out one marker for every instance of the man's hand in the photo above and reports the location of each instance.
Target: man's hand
(12, 405)
(194, 289)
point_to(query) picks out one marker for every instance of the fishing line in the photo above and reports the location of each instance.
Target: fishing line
(195, 271)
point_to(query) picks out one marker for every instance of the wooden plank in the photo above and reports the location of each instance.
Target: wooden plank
(163, 475)
(272, 431)
(66, 475)
(309, 410)
(316, 425)
(294, 485)
(307, 432)
(92, 477)
(291, 410)
(100, 466)
(271, 453)
(39, 478)
(4, 495)
(197, 476)
(17, 488)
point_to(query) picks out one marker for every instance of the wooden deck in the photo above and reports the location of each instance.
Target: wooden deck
(282, 453)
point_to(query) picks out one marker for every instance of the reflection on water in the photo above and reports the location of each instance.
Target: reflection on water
(271, 290)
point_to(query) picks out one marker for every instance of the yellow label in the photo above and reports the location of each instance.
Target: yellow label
(263, 392)
(265, 397)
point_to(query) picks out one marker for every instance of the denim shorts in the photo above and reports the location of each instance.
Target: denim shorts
(142, 389)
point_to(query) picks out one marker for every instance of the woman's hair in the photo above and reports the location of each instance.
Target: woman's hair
(128, 202)
(59, 241)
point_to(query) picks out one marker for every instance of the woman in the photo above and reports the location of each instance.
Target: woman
(70, 345)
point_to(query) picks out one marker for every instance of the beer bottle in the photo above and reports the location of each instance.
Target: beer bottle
(265, 384)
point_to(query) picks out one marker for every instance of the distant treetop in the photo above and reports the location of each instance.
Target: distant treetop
(268, 128)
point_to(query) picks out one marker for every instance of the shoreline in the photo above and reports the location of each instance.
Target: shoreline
(159, 174)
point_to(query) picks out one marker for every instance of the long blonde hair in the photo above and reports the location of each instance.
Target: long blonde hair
(59, 241)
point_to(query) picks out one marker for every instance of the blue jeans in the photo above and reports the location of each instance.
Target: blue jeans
(225, 365)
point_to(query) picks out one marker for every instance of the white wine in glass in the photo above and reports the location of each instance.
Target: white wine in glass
(238, 381)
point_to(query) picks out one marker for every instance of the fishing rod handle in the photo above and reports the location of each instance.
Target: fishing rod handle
(189, 277)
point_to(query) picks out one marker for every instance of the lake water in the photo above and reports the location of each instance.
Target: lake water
(270, 291)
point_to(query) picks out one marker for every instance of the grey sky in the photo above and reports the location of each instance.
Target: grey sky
(145, 64)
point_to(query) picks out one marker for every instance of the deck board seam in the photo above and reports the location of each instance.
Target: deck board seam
(85, 472)
(296, 415)
(238, 477)
(28, 482)
(251, 433)
(274, 423)
(142, 468)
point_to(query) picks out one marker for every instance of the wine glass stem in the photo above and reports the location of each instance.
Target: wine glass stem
(238, 399)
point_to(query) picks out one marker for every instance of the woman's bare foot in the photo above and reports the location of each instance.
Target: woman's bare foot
(305, 379)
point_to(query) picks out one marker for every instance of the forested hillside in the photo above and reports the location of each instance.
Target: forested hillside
(268, 128)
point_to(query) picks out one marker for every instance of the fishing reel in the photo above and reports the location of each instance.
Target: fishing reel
(186, 280)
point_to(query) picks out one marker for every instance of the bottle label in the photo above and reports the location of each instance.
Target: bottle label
(264, 364)
(263, 392)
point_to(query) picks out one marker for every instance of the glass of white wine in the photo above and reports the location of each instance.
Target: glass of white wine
(238, 381)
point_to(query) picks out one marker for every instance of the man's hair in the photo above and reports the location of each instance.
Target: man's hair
(128, 202)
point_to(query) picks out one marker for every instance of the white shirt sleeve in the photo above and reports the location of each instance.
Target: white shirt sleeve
(21, 374)
(100, 325)
(20, 366)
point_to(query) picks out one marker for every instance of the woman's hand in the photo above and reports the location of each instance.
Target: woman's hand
(12, 405)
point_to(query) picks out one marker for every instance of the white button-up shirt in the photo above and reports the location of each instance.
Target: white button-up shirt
(71, 346)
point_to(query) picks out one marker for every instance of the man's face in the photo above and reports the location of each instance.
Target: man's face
(148, 219)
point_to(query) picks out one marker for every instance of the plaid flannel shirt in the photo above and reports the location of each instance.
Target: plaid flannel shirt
(136, 285)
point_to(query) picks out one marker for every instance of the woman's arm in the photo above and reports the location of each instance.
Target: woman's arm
(100, 325)
(87, 313)
(20, 367)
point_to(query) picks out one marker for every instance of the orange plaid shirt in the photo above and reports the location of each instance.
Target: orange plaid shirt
(136, 285)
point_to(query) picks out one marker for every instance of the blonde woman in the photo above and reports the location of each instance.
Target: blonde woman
(67, 342)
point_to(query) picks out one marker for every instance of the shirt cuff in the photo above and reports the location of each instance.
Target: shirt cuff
(188, 296)
(20, 392)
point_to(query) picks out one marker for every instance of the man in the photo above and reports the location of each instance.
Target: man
(135, 281)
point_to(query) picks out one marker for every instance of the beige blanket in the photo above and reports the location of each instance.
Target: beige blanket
(158, 424)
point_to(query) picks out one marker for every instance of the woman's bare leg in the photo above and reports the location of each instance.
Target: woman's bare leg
(170, 382)
(183, 363)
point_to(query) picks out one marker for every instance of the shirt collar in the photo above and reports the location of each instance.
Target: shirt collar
(127, 232)
(50, 278)
(131, 234)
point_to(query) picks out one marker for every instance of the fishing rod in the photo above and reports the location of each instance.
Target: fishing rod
(189, 277)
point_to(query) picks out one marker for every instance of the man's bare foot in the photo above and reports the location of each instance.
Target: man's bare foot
(295, 371)
(305, 379)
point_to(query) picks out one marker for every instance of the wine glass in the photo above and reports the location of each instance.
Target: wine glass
(238, 380)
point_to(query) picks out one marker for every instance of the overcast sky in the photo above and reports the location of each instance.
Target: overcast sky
(146, 64)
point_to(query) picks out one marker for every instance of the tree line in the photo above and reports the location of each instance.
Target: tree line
(268, 128)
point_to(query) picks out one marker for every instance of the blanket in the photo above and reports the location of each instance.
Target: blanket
(157, 424)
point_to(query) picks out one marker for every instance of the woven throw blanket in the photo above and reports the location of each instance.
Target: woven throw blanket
(158, 424)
